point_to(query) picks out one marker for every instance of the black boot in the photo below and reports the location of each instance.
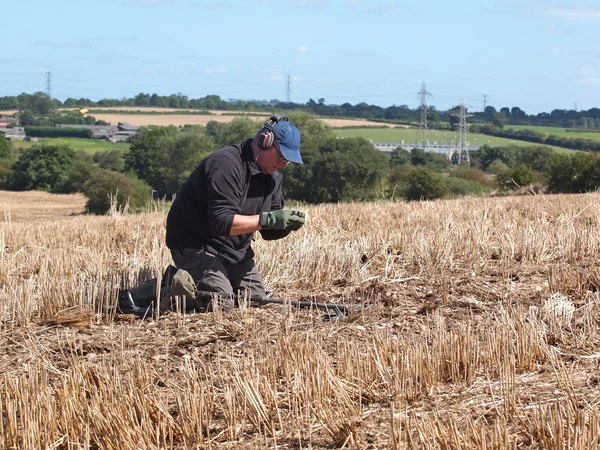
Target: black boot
(126, 305)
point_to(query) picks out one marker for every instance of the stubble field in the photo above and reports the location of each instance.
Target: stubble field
(477, 328)
(183, 119)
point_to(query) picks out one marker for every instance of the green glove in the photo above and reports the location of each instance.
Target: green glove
(283, 219)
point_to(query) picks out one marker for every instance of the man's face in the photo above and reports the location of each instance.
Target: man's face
(271, 160)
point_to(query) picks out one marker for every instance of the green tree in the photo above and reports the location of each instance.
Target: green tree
(538, 157)
(104, 184)
(499, 119)
(400, 157)
(297, 180)
(237, 131)
(5, 148)
(111, 160)
(397, 177)
(570, 173)
(6, 173)
(141, 159)
(80, 172)
(43, 167)
(519, 176)
(487, 154)
(488, 113)
(178, 157)
(214, 129)
(347, 169)
(38, 103)
(419, 157)
(497, 167)
(424, 184)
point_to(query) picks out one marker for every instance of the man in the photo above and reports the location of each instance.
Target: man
(230, 195)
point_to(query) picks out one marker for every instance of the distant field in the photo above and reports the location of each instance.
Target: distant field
(562, 132)
(87, 145)
(39, 206)
(410, 135)
(183, 119)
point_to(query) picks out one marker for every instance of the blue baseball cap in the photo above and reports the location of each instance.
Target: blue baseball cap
(288, 138)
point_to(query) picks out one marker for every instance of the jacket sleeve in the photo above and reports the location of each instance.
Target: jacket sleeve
(277, 202)
(224, 186)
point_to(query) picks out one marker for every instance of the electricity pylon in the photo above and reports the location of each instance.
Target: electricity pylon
(422, 138)
(461, 152)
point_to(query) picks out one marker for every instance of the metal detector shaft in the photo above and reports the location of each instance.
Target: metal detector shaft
(256, 300)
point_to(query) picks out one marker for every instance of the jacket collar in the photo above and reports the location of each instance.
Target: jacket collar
(248, 157)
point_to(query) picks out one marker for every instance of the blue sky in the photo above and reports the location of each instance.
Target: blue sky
(538, 55)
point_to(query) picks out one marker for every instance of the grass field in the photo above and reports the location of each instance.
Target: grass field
(572, 133)
(476, 327)
(410, 135)
(87, 145)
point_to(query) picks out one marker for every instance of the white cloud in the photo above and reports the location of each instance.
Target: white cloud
(218, 5)
(151, 2)
(302, 49)
(371, 7)
(588, 76)
(561, 50)
(311, 3)
(216, 70)
(577, 12)
(590, 81)
(586, 71)
(179, 69)
(74, 43)
(356, 53)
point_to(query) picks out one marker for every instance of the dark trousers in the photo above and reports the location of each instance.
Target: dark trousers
(212, 274)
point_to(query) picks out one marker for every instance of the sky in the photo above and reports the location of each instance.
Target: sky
(536, 54)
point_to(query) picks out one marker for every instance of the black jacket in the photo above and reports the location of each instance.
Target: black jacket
(203, 210)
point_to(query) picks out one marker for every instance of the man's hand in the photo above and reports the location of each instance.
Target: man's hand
(283, 219)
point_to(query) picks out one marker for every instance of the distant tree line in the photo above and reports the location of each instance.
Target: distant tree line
(538, 138)
(39, 103)
(159, 159)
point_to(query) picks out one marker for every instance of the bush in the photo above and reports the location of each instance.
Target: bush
(105, 183)
(497, 167)
(456, 187)
(346, 170)
(6, 173)
(178, 156)
(80, 173)
(397, 180)
(43, 167)
(471, 174)
(144, 149)
(400, 157)
(424, 184)
(112, 160)
(520, 176)
(5, 148)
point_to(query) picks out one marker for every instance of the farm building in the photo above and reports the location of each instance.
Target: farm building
(122, 132)
(13, 134)
(6, 120)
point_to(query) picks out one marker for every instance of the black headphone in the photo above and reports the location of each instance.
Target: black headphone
(265, 135)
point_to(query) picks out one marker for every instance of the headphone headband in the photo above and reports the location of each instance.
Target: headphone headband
(266, 137)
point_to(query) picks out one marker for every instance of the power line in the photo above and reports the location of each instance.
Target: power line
(485, 101)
